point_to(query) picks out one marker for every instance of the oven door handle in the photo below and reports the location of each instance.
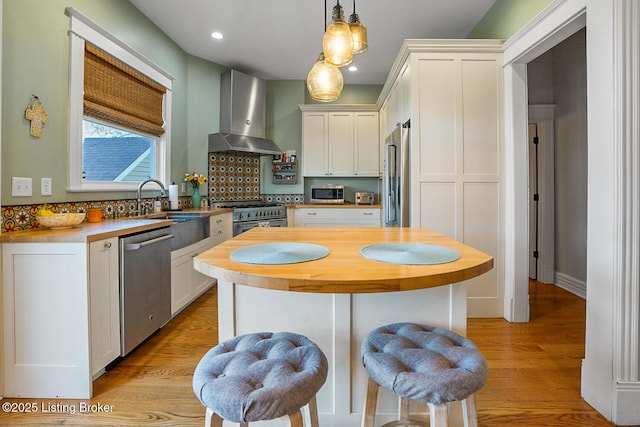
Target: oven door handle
(136, 246)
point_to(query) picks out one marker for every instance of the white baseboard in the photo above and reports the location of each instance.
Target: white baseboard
(571, 284)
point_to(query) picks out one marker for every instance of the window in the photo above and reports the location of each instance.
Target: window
(119, 112)
(112, 154)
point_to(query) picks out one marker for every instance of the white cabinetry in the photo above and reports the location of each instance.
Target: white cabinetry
(452, 90)
(104, 286)
(337, 217)
(45, 311)
(61, 316)
(187, 283)
(339, 142)
(315, 143)
(221, 227)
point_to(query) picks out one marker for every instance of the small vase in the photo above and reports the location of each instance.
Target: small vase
(195, 198)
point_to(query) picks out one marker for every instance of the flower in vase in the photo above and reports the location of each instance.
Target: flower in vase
(195, 179)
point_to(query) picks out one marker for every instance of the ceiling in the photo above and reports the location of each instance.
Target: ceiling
(281, 39)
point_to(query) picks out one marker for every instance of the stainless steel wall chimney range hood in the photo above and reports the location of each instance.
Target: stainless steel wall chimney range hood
(242, 112)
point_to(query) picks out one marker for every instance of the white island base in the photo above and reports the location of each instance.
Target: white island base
(338, 323)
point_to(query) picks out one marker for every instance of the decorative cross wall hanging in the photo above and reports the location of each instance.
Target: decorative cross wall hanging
(35, 113)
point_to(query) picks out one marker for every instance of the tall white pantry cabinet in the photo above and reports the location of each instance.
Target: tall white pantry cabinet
(452, 92)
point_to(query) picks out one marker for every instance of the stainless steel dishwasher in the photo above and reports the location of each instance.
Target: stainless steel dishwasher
(145, 285)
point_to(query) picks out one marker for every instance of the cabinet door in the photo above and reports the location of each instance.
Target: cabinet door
(105, 303)
(337, 217)
(45, 320)
(394, 106)
(405, 94)
(186, 282)
(180, 282)
(199, 282)
(315, 159)
(366, 144)
(341, 151)
(382, 119)
(221, 227)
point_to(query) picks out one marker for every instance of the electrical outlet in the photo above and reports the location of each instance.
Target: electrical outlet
(183, 187)
(45, 186)
(20, 187)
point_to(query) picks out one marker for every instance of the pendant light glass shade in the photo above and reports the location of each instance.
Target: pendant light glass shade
(324, 81)
(337, 43)
(358, 32)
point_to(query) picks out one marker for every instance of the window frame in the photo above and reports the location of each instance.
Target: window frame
(83, 29)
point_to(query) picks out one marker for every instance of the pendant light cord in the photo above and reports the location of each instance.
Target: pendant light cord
(325, 16)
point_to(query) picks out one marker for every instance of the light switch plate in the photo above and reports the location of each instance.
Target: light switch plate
(21, 187)
(45, 186)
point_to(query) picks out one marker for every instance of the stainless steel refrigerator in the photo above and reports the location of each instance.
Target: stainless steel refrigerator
(396, 177)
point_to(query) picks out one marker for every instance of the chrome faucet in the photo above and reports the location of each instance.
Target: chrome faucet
(163, 193)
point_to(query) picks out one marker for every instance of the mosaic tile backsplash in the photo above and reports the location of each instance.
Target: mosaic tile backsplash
(236, 176)
(232, 176)
(23, 217)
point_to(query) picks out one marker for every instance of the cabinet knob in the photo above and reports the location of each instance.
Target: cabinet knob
(107, 245)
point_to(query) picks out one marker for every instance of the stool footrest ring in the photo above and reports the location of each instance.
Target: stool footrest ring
(406, 423)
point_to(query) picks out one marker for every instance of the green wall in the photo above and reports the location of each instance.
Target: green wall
(506, 17)
(35, 59)
(203, 117)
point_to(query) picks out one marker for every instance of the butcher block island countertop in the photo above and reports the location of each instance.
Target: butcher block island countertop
(343, 270)
(339, 297)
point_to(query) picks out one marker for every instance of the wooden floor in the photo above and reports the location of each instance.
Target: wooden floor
(534, 372)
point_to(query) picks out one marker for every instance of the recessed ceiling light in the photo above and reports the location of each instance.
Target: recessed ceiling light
(217, 35)
(353, 68)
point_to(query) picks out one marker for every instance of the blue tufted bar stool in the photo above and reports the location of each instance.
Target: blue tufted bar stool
(261, 376)
(424, 364)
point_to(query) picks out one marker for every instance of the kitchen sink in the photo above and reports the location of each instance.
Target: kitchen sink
(186, 229)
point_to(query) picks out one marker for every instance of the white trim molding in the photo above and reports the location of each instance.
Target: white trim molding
(571, 284)
(626, 315)
(82, 29)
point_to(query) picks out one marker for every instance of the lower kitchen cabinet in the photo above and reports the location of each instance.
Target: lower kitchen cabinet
(61, 316)
(337, 217)
(46, 345)
(221, 227)
(104, 286)
(187, 283)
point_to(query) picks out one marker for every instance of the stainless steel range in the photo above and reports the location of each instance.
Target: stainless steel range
(248, 214)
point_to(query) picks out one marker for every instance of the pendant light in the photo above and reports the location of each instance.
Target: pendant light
(337, 43)
(324, 81)
(358, 32)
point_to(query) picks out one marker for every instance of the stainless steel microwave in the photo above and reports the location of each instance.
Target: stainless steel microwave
(327, 194)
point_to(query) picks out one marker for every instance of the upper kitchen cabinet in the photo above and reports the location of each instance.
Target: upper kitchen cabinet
(340, 141)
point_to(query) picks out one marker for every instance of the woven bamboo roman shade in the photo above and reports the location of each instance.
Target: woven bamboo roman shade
(121, 95)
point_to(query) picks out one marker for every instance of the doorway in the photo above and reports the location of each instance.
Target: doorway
(556, 82)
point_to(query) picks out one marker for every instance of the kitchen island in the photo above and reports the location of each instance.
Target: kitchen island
(337, 299)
